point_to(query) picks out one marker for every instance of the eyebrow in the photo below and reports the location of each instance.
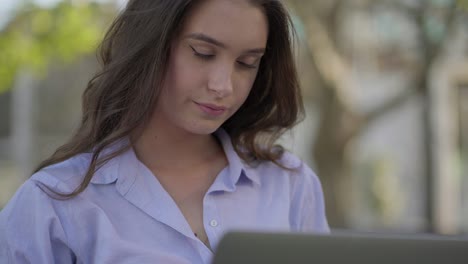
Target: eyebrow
(208, 39)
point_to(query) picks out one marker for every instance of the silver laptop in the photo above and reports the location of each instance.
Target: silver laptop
(340, 247)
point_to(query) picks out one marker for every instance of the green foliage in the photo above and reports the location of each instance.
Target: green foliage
(38, 36)
(462, 5)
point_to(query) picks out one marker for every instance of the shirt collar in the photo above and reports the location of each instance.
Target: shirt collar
(115, 169)
(236, 167)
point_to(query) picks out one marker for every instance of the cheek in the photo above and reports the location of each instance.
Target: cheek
(245, 88)
(182, 72)
(245, 93)
(178, 80)
(189, 80)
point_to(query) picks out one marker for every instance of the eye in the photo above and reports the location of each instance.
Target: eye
(247, 65)
(249, 61)
(202, 55)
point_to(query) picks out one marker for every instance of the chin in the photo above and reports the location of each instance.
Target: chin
(203, 129)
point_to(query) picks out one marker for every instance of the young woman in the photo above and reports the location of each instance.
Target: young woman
(176, 145)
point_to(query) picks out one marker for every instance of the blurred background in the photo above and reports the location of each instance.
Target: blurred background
(385, 85)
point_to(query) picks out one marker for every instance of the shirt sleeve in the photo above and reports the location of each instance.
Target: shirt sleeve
(308, 205)
(30, 229)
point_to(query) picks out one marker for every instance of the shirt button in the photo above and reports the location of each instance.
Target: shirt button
(213, 223)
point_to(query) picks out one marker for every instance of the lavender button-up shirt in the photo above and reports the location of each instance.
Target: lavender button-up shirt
(126, 216)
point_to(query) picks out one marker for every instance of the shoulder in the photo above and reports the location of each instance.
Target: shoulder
(64, 176)
(299, 173)
(31, 226)
(307, 199)
(35, 206)
(298, 184)
(29, 209)
(27, 199)
(291, 167)
(290, 160)
(289, 170)
(37, 191)
(299, 170)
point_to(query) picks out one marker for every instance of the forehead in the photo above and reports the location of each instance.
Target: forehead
(232, 22)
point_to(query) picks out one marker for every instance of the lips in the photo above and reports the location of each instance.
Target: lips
(211, 109)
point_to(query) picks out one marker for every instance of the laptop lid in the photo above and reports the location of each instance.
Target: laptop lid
(297, 248)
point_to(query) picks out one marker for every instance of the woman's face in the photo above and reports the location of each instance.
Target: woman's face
(212, 66)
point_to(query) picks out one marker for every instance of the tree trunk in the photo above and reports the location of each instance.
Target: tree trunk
(333, 164)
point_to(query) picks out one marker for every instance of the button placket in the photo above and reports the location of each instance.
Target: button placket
(211, 217)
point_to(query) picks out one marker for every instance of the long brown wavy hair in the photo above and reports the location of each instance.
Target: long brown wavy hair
(134, 56)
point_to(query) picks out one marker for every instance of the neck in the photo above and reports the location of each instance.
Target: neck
(175, 149)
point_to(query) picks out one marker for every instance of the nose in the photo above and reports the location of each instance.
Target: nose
(220, 81)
